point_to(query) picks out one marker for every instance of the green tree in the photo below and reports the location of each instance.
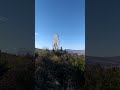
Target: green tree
(61, 49)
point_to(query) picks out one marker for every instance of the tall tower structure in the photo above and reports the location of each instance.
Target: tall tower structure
(56, 41)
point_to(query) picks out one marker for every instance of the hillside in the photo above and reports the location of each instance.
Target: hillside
(16, 72)
(59, 70)
(103, 60)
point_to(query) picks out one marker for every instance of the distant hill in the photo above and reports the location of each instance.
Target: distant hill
(79, 52)
(16, 51)
(103, 60)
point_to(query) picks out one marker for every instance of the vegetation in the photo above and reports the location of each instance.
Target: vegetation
(59, 70)
(16, 72)
(55, 70)
(98, 77)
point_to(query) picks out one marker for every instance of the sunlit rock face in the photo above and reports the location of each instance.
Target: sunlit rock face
(55, 41)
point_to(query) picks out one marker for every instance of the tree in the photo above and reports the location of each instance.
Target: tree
(65, 51)
(61, 49)
(36, 54)
(53, 50)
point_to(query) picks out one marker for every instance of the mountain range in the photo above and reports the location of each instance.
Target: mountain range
(78, 52)
(103, 60)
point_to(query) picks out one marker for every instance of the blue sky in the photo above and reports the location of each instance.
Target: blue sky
(66, 17)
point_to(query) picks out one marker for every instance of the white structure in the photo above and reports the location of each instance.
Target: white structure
(55, 41)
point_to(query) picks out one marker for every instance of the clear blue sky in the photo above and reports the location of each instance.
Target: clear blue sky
(66, 17)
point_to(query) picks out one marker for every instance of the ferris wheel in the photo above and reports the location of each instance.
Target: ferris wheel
(56, 41)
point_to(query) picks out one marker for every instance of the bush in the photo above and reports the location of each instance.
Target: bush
(17, 72)
(56, 69)
(102, 78)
